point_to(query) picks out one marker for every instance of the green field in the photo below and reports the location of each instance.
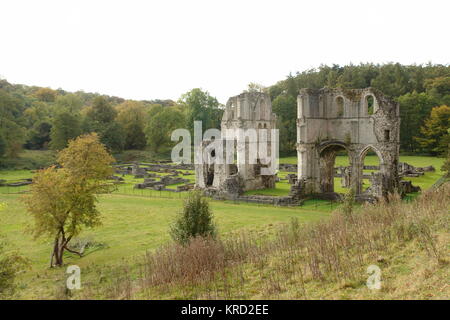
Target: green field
(424, 182)
(131, 226)
(135, 221)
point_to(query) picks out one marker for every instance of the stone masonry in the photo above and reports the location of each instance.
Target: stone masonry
(356, 121)
(250, 110)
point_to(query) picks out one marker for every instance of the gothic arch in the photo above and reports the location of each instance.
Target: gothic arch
(350, 127)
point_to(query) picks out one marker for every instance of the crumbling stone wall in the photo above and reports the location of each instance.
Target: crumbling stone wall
(250, 110)
(357, 121)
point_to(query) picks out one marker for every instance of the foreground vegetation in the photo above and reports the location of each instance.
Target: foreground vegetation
(407, 242)
(131, 225)
(136, 225)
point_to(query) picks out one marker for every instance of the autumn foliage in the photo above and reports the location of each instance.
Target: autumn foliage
(63, 199)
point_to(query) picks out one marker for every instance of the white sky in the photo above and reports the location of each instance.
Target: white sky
(161, 49)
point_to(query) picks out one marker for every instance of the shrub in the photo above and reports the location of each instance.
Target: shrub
(195, 220)
(11, 263)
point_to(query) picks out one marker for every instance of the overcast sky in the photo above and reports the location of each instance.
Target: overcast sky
(161, 49)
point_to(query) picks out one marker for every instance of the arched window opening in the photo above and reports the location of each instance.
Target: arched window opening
(370, 103)
(335, 166)
(370, 178)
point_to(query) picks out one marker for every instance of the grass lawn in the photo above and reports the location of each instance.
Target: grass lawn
(426, 181)
(131, 226)
(135, 221)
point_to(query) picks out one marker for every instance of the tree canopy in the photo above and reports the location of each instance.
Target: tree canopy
(40, 118)
(63, 199)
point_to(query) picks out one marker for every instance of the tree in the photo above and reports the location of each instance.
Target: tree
(439, 89)
(436, 135)
(11, 263)
(201, 106)
(132, 117)
(46, 94)
(69, 102)
(11, 128)
(14, 137)
(285, 107)
(62, 201)
(392, 80)
(195, 220)
(161, 125)
(2, 145)
(66, 126)
(113, 137)
(101, 111)
(39, 136)
(100, 118)
(414, 108)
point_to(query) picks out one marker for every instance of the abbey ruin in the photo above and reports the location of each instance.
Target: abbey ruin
(329, 121)
(357, 121)
(250, 110)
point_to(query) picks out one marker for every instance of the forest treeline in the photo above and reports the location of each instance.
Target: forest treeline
(418, 89)
(39, 118)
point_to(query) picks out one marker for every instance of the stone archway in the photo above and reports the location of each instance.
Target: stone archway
(377, 177)
(329, 120)
(327, 153)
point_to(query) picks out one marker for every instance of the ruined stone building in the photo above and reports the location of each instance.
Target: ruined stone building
(357, 121)
(329, 121)
(250, 110)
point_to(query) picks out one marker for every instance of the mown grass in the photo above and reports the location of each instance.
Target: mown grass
(135, 221)
(424, 182)
(131, 226)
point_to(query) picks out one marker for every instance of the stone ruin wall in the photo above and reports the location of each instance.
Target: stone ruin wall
(331, 120)
(250, 110)
(328, 121)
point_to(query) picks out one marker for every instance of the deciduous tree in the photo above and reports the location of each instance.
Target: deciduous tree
(436, 135)
(63, 200)
(161, 126)
(66, 126)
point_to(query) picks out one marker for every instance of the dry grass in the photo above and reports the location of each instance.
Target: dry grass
(326, 259)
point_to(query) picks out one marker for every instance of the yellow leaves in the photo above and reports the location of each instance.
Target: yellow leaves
(86, 158)
(65, 198)
(46, 94)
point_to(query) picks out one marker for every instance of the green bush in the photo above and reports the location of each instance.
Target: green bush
(195, 220)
